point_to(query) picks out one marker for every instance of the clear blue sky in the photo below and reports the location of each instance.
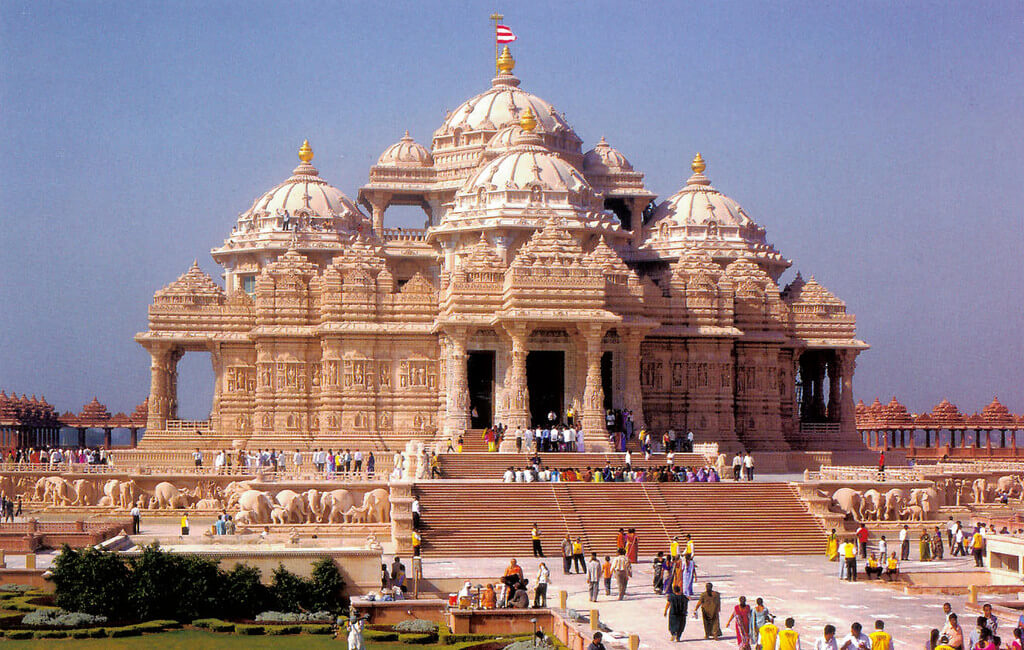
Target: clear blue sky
(880, 144)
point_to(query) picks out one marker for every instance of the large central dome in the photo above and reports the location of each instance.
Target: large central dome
(460, 144)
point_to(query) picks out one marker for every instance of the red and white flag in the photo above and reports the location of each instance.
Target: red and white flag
(502, 34)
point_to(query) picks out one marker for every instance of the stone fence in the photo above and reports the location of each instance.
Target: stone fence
(854, 473)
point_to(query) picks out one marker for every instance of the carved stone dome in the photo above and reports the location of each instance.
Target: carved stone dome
(305, 200)
(504, 139)
(698, 203)
(604, 159)
(406, 153)
(526, 166)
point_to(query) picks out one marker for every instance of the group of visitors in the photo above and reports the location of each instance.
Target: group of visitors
(550, 439)
(56, 455)
(392, 581)
(670, 441)
(512, 591)
(323, 461)
(883, 561)
(9, 509)
(538, 473)
(984, 635)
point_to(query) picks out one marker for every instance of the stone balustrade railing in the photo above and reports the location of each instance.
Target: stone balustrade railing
(307, 473)
(854, 473)
(706, 449)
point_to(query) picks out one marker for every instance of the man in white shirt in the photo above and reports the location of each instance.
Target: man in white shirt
(628, 458)
(737, 464)
(883, 550)
(842, 559)
(905, 543)
(856, 639)
(218, 461)
(357, 458)
(510, 476)
(519, 440)
(748, 466)
(528, 440)
(136, 520)
(828, 640)
(951, 532)
(297, 460)
(416, 513)
(689, 440)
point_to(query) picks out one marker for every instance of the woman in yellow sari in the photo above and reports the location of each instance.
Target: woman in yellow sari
(832, 547)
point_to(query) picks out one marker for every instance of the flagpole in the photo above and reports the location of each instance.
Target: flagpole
(497, 18)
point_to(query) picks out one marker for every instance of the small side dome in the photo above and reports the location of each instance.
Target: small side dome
(504, 139)
(604, 159)
(406, 153)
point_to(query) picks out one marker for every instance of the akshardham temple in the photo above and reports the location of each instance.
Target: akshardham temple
(545, 278)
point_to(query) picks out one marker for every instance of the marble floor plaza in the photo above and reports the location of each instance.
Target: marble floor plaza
(804, 587)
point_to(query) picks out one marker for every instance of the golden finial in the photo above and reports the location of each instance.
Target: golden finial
(305, 152)
(505, 61)
(698, 165)
(528, 121)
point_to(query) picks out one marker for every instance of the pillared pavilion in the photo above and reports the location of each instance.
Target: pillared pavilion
(545, 278)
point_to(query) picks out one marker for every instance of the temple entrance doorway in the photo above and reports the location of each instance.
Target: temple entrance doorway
(606, 380)
(480, 377)
(545, 379)
(195, 387)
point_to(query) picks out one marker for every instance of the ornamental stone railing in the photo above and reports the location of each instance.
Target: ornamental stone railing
(854, 473)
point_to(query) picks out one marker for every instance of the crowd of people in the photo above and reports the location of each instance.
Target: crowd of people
(883, 561)
(538, 472)
(57, 455)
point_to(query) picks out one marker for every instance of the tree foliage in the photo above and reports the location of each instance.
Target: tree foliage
(92, 581)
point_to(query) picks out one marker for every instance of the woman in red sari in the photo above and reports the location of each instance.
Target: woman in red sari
(632, 545)
(741, 614)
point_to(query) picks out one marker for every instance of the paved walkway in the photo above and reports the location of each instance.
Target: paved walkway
(804, 587)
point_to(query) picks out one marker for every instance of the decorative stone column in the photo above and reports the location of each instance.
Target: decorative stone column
(458, 382)
(847, 408)
(378, 204)
(632, 395)
(832, 367)
(518, 415)
(593, 393)
(163, 380)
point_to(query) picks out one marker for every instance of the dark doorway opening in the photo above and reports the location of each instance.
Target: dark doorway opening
(606, 379)
(480, 377)
(545, 379)
(621, 210)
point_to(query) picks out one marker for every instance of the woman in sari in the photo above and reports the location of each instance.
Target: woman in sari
(758, 617)
(632, 545)
(689, 574)
(925, 545)
(938, 549)
(659, 573)
(832, 547)
(741, 614)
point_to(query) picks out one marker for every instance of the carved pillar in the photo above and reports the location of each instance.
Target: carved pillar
(379, 204)
(817, 371)
(134, 437)
(163, 382)
(458, 382)
(172, 382)
(517, 391)
(593, 392)
(632, 395)
(216, 360)
(107, 437)
(847, 408)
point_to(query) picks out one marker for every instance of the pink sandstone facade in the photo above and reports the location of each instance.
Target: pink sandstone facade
(545, 278)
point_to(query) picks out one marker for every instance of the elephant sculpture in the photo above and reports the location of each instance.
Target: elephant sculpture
(1010, 485)
(279, 515)
(315, 504)
(912, 512)
(127, 492)
(334, 504)
(258, 505)
(209, 503)
(871, 506)
(895, 499)
(58, 491)
(378, 505)
(85, 492)
(847, 500)
(163, 495)
(358, 515)
(928, 499)
(980, 490)
(294, 506)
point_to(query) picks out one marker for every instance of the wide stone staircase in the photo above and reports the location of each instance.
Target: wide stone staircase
(474, 465)
(476, 519)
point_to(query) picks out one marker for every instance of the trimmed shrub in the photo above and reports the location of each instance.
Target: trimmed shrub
(527, 644)
(11, 587)
(19, 635)
(318, 629)
(127, 630)
(51, 634)
(379, 635)
(60, 618)
(80, 634)
(98, 633)
(417, 638)
(214, 624)
(283, 629)
(9, 619)
(250, 630)
(157, 626)
(415, 625)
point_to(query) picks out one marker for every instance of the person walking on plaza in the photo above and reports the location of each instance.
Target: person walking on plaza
(850, 555)
(748, 466)
(136, 520)
(938, 549)
(924, 546)
(658, 566)
(540, 596)
(759, 617)
(535, 537)
(710, 606)
(741, 614)
(856, 639)
(832, 546)
(579, 561)
(737, 465)
(184, 523)
(675, 610)
(416, 518)
(632, 545)
(978, 548)
(789, 639)
(862, 539)
(620, 540)
(606, 574)
(622, 570)
(880, 639)
(827, 640)
(905, 543)
(767, 633)
(883, 549)
(567, 554)
(594, 577)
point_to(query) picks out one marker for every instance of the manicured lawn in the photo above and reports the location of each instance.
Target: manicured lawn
(197, 640)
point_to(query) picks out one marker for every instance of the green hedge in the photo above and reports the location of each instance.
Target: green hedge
(51, 634)
(19, 634)
(81, 634)
(98, 633)
(250, 630)
(127, 630)
(418, 638)
(7, 620)
(318, 629)
(380, 635)
(283, 629)
(214, 624)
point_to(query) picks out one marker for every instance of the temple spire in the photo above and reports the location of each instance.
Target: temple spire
(698, 166)
(305, 152)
